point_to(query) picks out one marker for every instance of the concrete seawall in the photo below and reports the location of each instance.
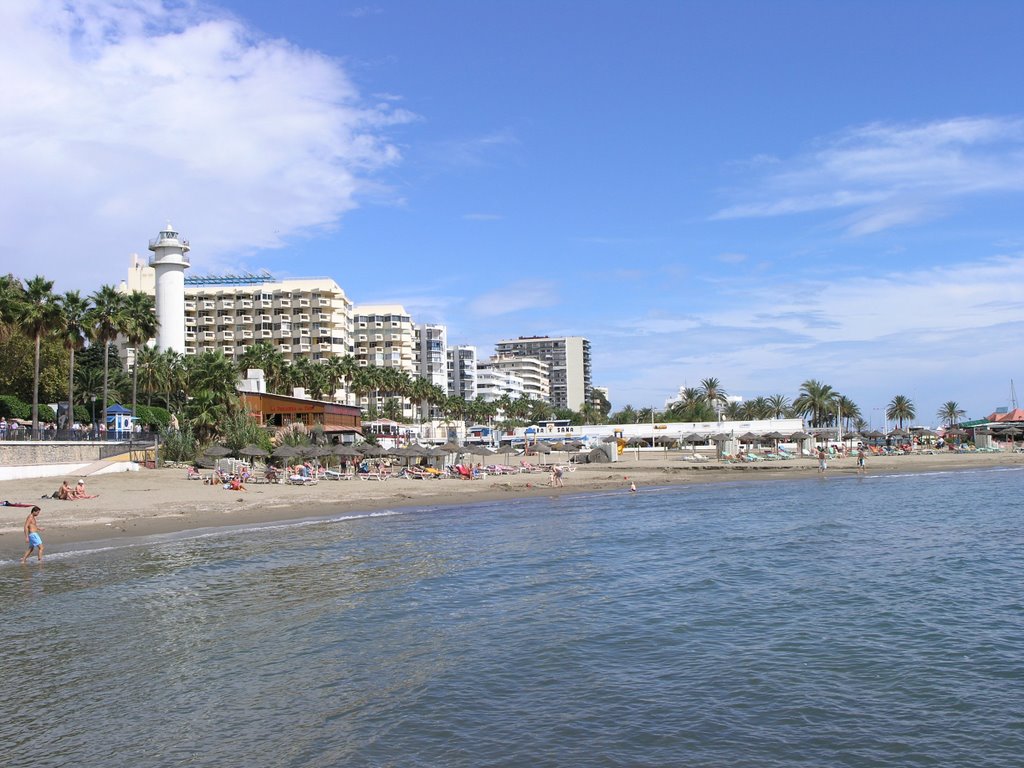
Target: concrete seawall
(54, 459)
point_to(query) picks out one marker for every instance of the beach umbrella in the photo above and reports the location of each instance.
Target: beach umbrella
(369, 449)
(776, 436)
(217, 451)
(344, 450)
(479, 450)
(610, 439)
(748, 437)
(801, 435)
(283, 452)
(451, 447)
(636, 442)
(899, 433)
(541, 448)
(559, 446)
(254, 451)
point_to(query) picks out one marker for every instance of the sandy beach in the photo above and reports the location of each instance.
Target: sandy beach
(161, 501)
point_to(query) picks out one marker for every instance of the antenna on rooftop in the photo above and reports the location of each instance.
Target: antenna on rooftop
(1013, 395)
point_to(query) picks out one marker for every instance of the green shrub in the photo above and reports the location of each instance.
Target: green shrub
(45, 413)
(153, 416)
(12, 407)
(82, 415)
(178, 444)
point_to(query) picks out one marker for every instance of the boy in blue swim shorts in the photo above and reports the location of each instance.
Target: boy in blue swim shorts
(32, 537)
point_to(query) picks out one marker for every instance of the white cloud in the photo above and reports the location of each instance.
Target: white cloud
(122, 114)
(892, 175)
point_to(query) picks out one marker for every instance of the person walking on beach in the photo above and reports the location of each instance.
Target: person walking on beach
(822, 460)
(862, 461)
(556, 477)
(32, 537)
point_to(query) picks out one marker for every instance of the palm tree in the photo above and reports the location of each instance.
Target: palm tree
(816, 400)
(151, 372)
(140, 325)
(900, 409)
(74, 325)
(951, 413)
(713, 394)
(107, 320)
(779, 405)
(847, 410)
(37, 313)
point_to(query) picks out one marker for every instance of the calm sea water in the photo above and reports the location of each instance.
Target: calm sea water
(840, 622)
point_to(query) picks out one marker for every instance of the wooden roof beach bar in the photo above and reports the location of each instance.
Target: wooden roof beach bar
(279, 410)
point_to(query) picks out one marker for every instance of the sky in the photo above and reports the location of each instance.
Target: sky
(763, 193)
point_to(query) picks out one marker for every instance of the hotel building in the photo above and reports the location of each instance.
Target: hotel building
(568, 359)
(301, 317)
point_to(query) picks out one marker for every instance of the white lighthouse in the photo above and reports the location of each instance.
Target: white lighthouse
(169, 261)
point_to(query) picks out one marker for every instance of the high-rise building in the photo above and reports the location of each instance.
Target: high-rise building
(386, 338)
(300, 317)
(533, 372)
(568, 359)
(462, 372)
(431, 354)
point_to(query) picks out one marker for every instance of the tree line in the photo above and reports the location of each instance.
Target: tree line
(61, 347)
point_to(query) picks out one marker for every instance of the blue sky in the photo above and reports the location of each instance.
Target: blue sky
(760, 192)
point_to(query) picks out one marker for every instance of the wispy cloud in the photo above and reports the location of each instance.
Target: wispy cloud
(122, 115)
(515, 297)
(890, 175)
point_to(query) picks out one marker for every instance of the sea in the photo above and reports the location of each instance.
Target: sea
(837, 621)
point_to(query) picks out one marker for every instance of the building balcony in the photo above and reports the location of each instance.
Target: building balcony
(304, 347)
(283, 303)
(246, 334)
(265, 304)
(266, 334)
(190, 350)
(226, 336)
(207, 336)
(245, 319)
(190, 335)
(245, 303)
(189, 320)
(229, 351)
(302, 302)
(266, 318)
(207, 320)
(190, 306)
(284, 348)
(303, 318)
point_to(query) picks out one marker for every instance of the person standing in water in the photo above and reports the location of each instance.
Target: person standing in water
(32, 537)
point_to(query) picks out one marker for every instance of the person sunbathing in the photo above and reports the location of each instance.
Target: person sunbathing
(79, 492)
(234, 484)
(65, 492)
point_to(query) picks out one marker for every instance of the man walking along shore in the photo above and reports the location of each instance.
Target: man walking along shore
(32, 537)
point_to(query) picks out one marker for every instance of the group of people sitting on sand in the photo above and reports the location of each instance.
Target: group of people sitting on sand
(67, 493)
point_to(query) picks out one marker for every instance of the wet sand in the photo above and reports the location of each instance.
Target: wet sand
(162, 501)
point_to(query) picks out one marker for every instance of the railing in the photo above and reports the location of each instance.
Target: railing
(27, 434)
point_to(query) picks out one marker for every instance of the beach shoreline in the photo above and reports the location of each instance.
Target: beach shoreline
(163, 501)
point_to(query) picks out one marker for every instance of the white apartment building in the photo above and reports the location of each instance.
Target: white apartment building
(302, 317)
(431, 354)
(491, 384)
(462, 362)
(568, 359)
(532, 371)
(384, 336)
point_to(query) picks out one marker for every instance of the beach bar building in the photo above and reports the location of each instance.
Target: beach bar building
(281, 410)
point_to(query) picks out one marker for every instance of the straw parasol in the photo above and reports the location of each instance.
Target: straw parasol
(283, 452)
(254, 451)
(217, 451)
(345, 450)
(451, 447)
(369, 449)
